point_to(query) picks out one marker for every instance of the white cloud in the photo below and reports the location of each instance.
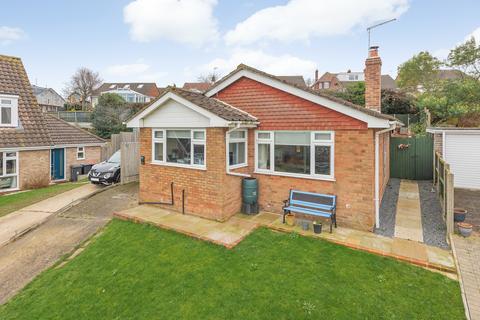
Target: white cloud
(304, 19)
(134, 72)
(275, 64)
(475, 34)
(184, 21)
(9, 34)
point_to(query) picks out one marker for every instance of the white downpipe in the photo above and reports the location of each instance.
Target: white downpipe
(227, 164)
(377, 174)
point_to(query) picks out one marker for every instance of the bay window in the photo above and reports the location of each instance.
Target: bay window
(237, 148)
(182, 147)
(8, 171)
(295, 153)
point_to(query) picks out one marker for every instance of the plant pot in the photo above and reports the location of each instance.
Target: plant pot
(290, 219)
(459, 214)
(305, 225)
(465, 228)
(317, 227)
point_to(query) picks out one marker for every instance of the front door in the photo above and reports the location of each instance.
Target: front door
(57, 164)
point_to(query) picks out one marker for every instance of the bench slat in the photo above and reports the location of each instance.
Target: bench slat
(309, 211)
(312, 204)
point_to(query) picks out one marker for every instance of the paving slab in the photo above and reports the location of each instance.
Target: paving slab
(408, 218)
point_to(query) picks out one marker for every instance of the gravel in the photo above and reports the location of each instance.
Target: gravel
(388, 209)
(434, 228)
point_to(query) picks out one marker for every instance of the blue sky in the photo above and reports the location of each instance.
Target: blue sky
(173, 41)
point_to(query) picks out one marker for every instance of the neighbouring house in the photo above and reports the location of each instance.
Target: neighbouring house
(253, 124)
(339, 81)
(48, 99)
(131, 92)
(459, 147)
(36, 148)
(204, 86)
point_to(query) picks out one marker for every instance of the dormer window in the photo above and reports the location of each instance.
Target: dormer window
(8, 111)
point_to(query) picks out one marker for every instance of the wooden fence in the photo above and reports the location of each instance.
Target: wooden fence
(128, 143)
(443, 181)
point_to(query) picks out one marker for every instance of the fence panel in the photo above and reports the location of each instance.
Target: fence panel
(130, 161)
(411, 158)
(443, 180)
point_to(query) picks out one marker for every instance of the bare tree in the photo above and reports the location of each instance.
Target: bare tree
(82, 83)
(212, 77)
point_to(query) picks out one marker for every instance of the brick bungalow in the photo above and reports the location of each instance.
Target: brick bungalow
(35, 148)
(253, 124)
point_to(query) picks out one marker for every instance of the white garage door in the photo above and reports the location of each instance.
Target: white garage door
(462, 151)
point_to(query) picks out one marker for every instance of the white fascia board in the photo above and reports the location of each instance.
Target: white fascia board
(373, 122)
(464, 131)
(215, 121)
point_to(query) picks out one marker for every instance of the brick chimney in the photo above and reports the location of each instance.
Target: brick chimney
(373, 79)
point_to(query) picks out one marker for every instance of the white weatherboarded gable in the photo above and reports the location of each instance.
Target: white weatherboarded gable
(462, 152)
(171, 111)
(175, 115)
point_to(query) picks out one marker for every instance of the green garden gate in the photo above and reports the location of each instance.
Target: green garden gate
(411, 158)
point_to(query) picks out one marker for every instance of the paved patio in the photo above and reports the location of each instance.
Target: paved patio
(231, 232)
(470, 200)
(467, 254)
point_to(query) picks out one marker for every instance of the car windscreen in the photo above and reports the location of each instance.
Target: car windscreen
(115, 158)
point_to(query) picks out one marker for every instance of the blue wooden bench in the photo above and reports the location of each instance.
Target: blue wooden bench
(314, 204)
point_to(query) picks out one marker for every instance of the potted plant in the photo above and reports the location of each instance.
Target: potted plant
(459, 214)
(465, 228)
(317, 227)
(290, 219)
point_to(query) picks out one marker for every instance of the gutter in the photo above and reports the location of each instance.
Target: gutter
(377, 173)
(227, 165)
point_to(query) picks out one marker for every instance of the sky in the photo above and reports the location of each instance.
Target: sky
(175, 41)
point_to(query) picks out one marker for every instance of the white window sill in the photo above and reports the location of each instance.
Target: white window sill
(178, 165)
(237, 166)
(3, 125)
(296, 175)
(80, 158)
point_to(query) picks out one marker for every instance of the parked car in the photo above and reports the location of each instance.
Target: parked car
(106, 172)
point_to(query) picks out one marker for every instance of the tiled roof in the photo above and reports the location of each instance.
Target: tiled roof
(146, 88)
(64, 133)
(296, 80)
(215, 106)
(315, 92)
(32, 131)
(197, 86)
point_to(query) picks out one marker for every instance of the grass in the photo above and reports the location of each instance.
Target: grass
(14, 202)
(137, 271)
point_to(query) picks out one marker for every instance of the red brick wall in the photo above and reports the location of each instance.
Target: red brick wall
(278, 110)
(92, 156)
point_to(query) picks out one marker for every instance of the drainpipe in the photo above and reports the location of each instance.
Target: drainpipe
(377, 173)
(227, 165)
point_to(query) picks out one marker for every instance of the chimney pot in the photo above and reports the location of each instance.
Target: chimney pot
(373, 52)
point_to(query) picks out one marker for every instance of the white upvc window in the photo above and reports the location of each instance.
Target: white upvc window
(179, 147)
(80, 153)
(8, 111)
(237, 146)
(8, 170)
(303, 154)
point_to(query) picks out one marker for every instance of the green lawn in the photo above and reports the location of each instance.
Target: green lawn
(13, 202)
(137, 271)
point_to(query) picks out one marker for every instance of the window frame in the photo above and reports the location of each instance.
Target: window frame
(313, 143)
(4, 166)
(13, 106)
(237, 140)
(193, 143)
(81, 151)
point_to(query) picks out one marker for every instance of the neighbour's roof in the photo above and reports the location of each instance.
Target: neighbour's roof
(32, 131)
(450, 74)
(215, 106)
(197, 86)
(309, 90)
(296, 80)
(388, 82)
(146, 88)
(64, 133)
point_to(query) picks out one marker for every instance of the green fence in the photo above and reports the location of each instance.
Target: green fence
(407, 119)
(411, 158)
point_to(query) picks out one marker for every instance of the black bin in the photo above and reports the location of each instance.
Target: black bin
(75, 171)
(86, 168)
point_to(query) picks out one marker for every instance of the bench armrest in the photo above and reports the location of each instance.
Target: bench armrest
(285, 203)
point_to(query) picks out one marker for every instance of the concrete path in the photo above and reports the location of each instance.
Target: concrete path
(467, 256)
(408, 220)
(18, 222)
(23, 259)
(233, 231)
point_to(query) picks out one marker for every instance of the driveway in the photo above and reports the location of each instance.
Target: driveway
(470, 200)
(23, 259)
